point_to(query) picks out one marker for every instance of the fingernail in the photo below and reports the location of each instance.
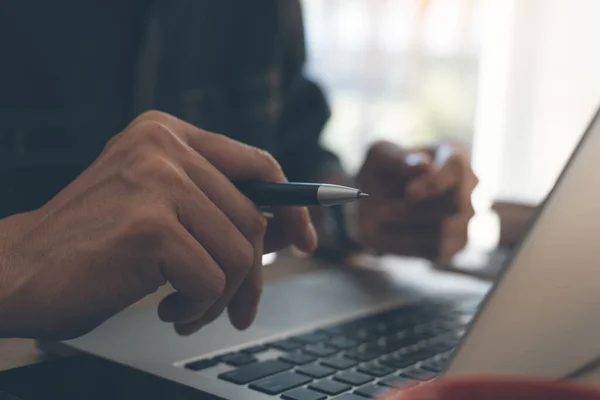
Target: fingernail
(416, 159)
(249, 313)
(251, 316)
(311, 238)
(186, 330)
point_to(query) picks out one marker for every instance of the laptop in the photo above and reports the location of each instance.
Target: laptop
(344, 334)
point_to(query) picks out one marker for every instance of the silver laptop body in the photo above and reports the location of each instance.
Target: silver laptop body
(542, 317)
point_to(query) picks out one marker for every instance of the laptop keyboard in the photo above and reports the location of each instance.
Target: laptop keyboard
(361, 359)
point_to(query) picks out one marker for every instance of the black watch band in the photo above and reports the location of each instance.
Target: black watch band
(344, 244)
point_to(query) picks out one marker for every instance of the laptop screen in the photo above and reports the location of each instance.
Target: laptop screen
(541, 318)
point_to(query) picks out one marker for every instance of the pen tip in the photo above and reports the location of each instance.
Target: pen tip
(362, 194)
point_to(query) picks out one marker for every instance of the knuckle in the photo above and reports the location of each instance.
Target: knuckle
(217, 286)
(148, 131)
(150, 115)
(244, 257)
(152, 132)
(257, 226)
(268, 161)
(155, 167)
(149, 227)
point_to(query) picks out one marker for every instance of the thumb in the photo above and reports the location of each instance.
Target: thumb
(388, 157)
(445, 173)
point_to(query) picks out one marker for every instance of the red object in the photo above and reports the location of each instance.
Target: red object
(496, 389)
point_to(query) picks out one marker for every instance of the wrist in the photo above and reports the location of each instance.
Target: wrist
(337, 226)
(11, 276)
(336, 240)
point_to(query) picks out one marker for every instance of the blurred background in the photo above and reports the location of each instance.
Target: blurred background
(516, 80)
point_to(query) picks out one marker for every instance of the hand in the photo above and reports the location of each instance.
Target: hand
(419, 201)
(157, 206)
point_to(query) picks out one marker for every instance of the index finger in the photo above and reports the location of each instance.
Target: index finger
(445, 174)
(388, 157)
(238, 161)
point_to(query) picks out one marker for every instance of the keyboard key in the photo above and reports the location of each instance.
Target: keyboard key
(342, 343)
(255, 371)
(286, 345)
(441, 347)
(397, 381)
(375, 369)
(419, 354)
(329, 387)
(396, 342)
(255, 349)
(311, 338)
(433, 368)
(386, 345)
(238, 359)
(433, 365)
(202, 364)
(364, 335)
(360, 355)
(383, 328)
(419, 373)
(353, 378)
(320, 350)
(339, 362)
(298, 358)
(336, 329)
(303, 394)
(397, 361)
(280, 383)
(371, 391)
(349, 396)
(316, 371)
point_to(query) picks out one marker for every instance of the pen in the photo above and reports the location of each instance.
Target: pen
(279, 194)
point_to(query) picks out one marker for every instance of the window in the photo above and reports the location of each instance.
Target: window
(404, 70)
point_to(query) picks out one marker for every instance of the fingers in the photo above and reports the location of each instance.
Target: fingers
(292, 223)
(251, 223)
(238, 161)
(445, 174)
(386, 156)
(231, 249)
(229, 229)
(244, 305)
(193, 273)
(388, 168)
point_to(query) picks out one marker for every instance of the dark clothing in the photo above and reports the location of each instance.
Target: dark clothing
(74, 72)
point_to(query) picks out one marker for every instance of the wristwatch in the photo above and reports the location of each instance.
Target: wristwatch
(342, 228)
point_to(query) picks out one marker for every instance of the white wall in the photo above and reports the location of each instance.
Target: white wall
(539, 85)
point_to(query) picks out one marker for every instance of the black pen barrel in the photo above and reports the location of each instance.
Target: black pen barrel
(269, 194)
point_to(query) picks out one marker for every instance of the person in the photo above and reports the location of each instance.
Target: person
(100, 211)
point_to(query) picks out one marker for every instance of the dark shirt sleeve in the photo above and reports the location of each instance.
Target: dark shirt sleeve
(305, 114)
(305, 109)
